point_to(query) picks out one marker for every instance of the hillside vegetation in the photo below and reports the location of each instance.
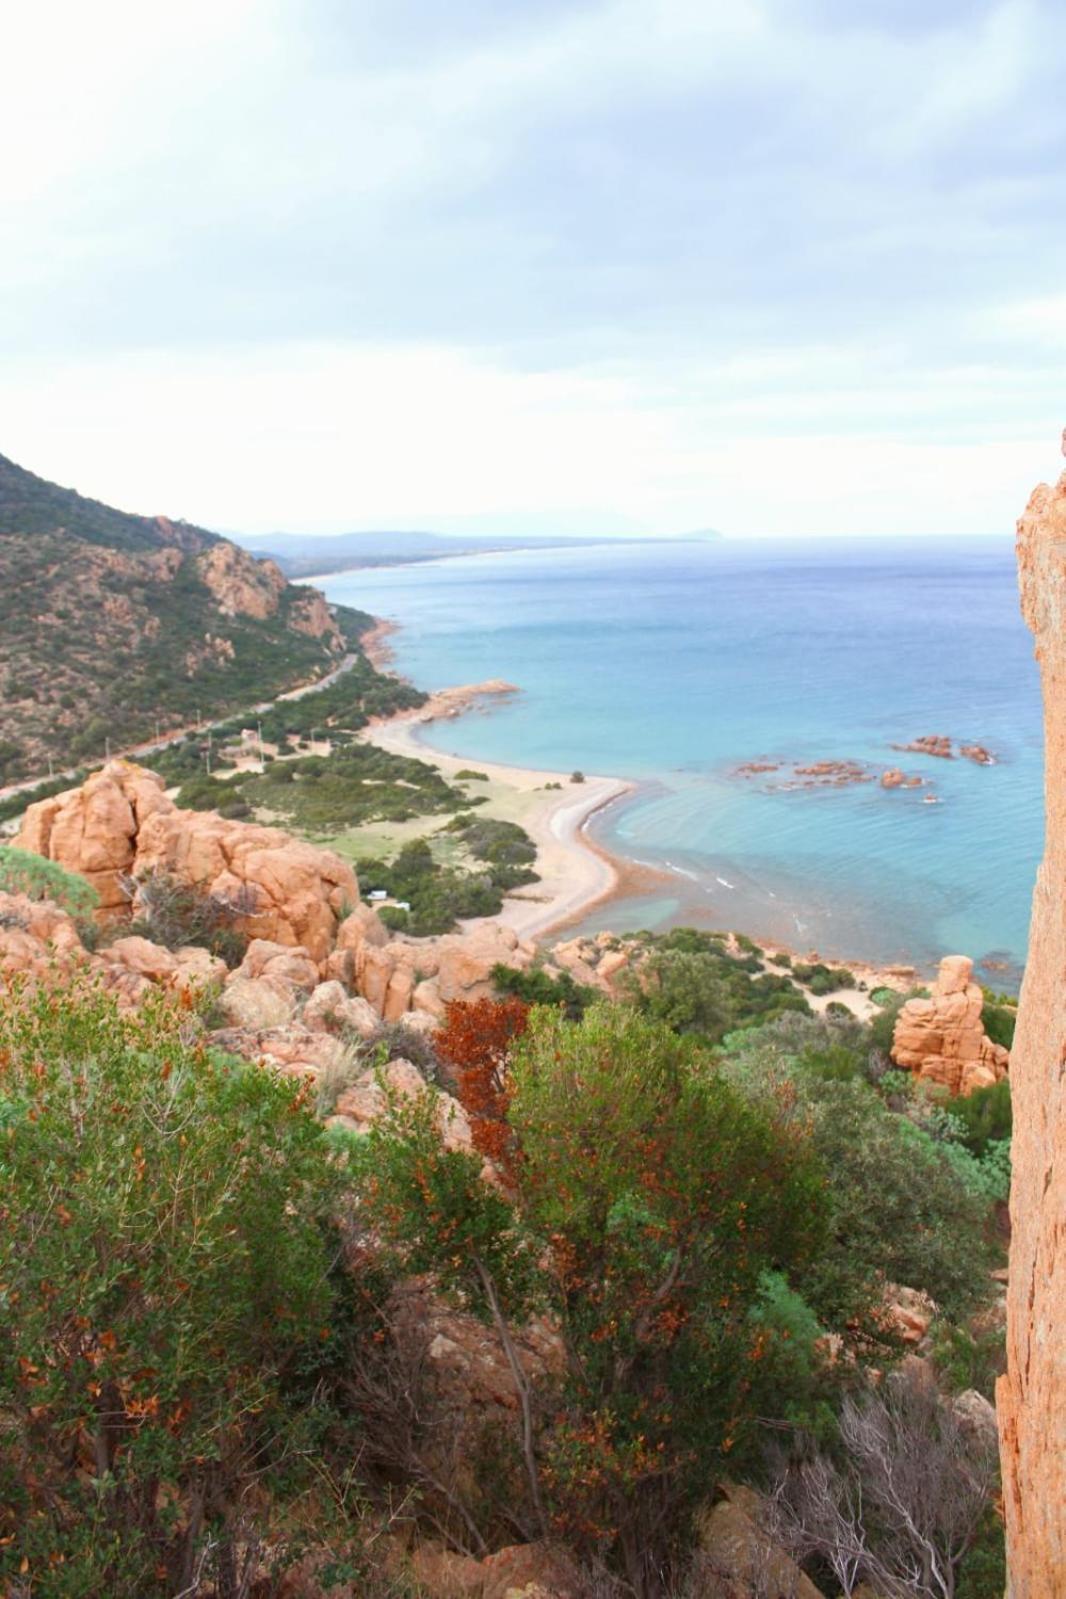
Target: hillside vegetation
(112, 624)
(700, 1240)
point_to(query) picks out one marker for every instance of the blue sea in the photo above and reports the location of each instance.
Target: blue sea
(673, 663)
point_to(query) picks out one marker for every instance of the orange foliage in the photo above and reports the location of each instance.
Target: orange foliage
(475, 1041)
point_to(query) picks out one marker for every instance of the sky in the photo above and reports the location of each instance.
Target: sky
(774, 267)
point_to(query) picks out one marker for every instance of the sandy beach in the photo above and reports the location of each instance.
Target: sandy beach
(575, 874)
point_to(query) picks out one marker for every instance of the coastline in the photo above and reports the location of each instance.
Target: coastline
(575, 874)
(578, 874)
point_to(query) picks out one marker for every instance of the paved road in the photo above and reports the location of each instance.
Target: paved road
(175, 735)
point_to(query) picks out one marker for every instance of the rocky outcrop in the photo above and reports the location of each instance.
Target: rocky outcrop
(120, 824)
(367, 1098)
(38, 941)
(942, 1039)
(298, 903)
(1031, 1398)
(242, 586)
(520, 1571)
(93, 830)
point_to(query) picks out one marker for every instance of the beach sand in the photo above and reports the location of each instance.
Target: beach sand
(575, 874)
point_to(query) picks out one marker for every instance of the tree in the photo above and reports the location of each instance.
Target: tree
(664, 1197)
(164, 1256)
(647, 1200)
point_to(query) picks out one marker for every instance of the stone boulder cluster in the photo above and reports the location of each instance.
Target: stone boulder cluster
(942, 1039)
(321, 969)
(316, 954)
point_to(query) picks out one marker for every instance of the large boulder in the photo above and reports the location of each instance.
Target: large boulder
(366, 1100)
(942, 1039)
(93, 829)
(38, 940)
(738, 1560)
(255, 1003)
(331, 1009)
(121, 824)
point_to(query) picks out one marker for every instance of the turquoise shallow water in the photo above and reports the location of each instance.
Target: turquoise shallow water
(673, 663)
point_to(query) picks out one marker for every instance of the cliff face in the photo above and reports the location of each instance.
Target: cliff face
(1032, 1396)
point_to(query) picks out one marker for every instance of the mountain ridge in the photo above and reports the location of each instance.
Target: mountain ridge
(111, 622)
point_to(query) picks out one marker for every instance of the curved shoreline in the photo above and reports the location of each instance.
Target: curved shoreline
(575, 874)
(578, 874)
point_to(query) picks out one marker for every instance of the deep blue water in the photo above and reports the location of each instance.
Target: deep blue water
(673, 663)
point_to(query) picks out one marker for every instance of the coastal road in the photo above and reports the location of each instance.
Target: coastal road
(176, 734)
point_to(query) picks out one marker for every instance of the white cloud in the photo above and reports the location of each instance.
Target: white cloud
(329, 438)
(251, 275)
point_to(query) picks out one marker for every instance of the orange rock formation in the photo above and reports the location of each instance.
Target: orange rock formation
(942, 1038)
(1031, 1397)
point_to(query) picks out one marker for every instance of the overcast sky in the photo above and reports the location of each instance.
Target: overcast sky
(768, 266)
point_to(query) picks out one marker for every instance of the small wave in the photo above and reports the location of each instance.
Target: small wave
(725, 883)
(683, 871)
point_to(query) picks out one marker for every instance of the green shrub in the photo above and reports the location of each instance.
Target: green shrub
(465, 774)
(822, 979)
(647, 1205)
(900, 1210)
(538, 987)
(999, 1022)
(22, 872)
(395, 918)
(984, 1115)
(966, 1359)
(164, 1261)
(706, 991)
(983, 1572)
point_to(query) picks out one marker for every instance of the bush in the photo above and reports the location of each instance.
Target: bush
(969, 1359)
(538, 987)
(999, 1022)
(704, 990)
(821, 979)
(984, 1116)
(22, 872)
(900, 1211)
(164, 1260)
(648, 1200)
(177, 915)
